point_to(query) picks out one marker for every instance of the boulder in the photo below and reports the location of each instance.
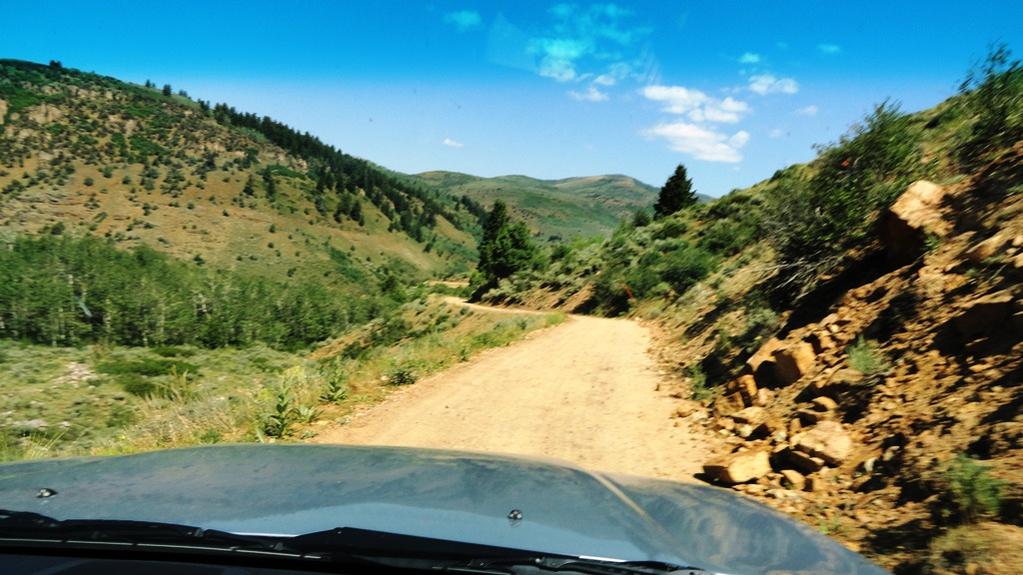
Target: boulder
(828, 440)
(803, 462)
(824, 403)
(987, 248)
(741, 467)
(745, 386)
(761, 363)
(751, 415)
(794, 478)
(983, 314)
(914, 215)
(3, 110)
(793, 361)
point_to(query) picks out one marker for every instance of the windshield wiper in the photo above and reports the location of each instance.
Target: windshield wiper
(588, 565)
(23, 527)
(340, 545)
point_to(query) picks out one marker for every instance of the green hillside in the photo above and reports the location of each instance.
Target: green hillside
(568, 208)
(87, 154)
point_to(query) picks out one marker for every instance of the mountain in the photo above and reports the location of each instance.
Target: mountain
(567, 208)
(87, 154)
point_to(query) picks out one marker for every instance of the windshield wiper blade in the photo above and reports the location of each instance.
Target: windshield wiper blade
(25, 525)
(589, 565)
(398, 550)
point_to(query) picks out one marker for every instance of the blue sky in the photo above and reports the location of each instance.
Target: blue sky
(734, 90)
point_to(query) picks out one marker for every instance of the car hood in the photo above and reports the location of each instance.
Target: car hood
(294, 489)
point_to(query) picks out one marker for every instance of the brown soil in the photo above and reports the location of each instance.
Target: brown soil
(586, 391)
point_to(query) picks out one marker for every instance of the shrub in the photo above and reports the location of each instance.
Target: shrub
(972, 491)
(685, 266)
(89, 181)
(698, 384)
(146, 366)
(278, 417)
(813, 221)
(866, 358)
(402, 375)
(336, 388)
(993, 94)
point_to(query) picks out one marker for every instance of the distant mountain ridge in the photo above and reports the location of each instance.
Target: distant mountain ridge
(568, 207)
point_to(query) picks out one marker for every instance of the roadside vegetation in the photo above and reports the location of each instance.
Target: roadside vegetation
(102, 399)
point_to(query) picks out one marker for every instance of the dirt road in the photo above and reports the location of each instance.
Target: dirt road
(584, 391)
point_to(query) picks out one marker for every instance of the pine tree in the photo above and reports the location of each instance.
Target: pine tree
(506, 246)
(676, 194)
(167, 90)
(250, 188)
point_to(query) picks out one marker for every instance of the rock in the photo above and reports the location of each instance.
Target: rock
(687, 407)
(3, 110)
(808, 417)
(794, 478)
(813, 484)
(765, 397)
(739, 467)
(824, 403)
(804, 462)
(987, 248)
(745, 386)
(761, 363)
(793, 362)
(828, 441)
(914, 215)
(751, 415)
(984, 313)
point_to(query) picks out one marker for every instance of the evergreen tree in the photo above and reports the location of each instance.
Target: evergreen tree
(676, 194)
(506, 246)
(250, 187)
(269, 184)
(167, 90)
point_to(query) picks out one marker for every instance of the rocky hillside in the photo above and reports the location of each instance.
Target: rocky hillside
(852, 327)
(82, 153)
(558, 209)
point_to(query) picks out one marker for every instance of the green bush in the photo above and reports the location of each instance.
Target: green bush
(146, 366)
(281, 414)
(972, 492)
(992, 94)
(136, 384)
(698, 384)
(866, 358)
(813, 221)
(403, 374)
(685, 266)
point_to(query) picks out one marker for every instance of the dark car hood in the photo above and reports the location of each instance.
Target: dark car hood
(294, 489)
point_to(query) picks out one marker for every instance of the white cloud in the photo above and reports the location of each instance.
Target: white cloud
(699, 142)
(580, 38)
(776, 134)
(810, 110)
(605, 80)
(463, 19)
(829, 48)
(558, 57)
(452, 143)
(698, 106)
(749, 58)
(591, 94)
(764, 84)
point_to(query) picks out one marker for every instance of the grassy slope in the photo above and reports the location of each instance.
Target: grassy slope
(572, 207)
(80, 116)
(64, 401)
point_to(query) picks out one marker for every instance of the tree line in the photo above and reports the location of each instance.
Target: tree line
(60, 290)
